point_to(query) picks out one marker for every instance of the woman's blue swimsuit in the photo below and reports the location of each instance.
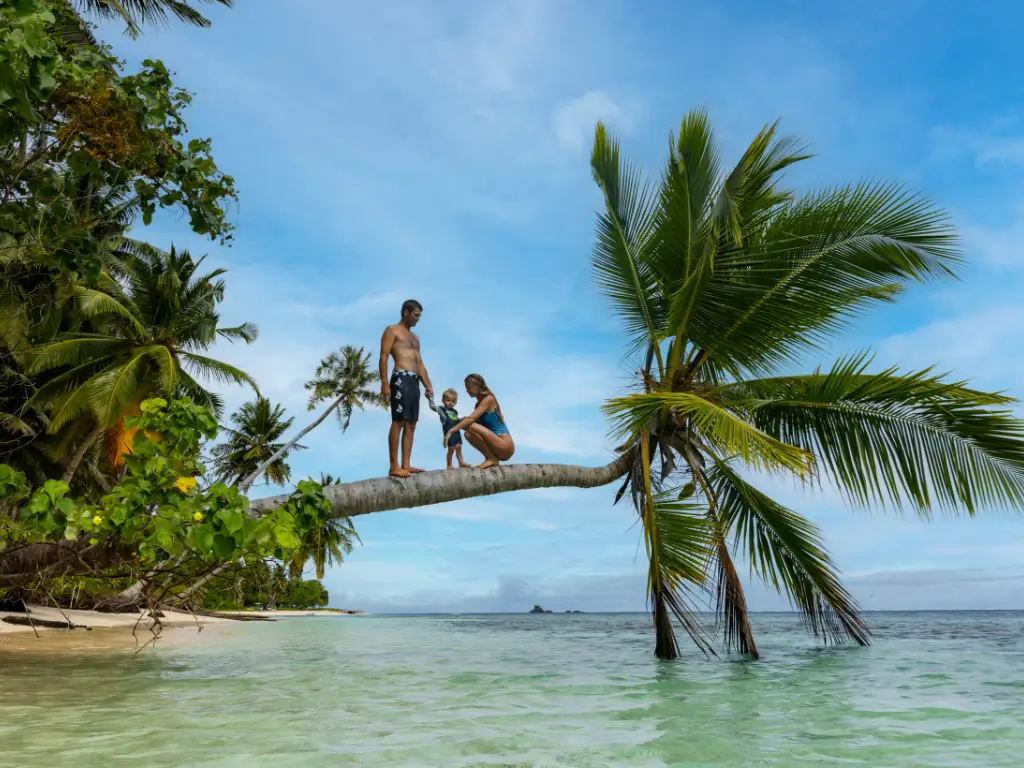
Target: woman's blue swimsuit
(493, 423)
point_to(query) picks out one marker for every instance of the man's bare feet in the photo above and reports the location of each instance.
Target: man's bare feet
(488, 464)
(413, 470)
(398, 473)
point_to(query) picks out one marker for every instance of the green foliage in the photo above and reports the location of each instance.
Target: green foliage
(66, 106)
(305, 594)
(158, 511)
(262, 584)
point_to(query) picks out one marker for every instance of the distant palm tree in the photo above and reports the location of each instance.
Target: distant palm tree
(255, 436)
(344, 378)
(150, 330)
(326, 545)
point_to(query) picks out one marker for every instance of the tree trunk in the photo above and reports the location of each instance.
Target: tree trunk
(79, 454)
(181, 597)
(385, 493)
(244, 485)
(20, 565)
(133, 594)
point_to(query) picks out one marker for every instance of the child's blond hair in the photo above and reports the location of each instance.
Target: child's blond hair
(450, 393)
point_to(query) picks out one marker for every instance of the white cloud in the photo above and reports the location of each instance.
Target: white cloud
(1005, 150)
(1002, 247)
(974, 345)
(574, 120)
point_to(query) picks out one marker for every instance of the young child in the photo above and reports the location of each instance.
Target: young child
(449, 418)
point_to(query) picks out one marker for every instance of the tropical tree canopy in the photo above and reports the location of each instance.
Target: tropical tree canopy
(148, 340)
(725, 280)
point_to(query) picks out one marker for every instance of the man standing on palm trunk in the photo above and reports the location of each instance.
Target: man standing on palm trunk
(402, 388)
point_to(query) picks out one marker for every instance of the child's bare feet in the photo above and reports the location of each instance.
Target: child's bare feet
(450, 467)
(488, 464)
(464, 465)
(398, 472)
(413, 470)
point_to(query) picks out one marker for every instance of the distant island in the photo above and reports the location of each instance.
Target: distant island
(539, 609)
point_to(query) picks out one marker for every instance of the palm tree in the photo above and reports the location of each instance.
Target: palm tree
(135, 13)
(255, 436)
(345, 379)
(149, 337)
(326, 545)
(724, 280)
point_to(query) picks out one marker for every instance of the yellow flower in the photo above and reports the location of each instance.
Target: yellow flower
(185, 484)
(198, 517)
(97, 520)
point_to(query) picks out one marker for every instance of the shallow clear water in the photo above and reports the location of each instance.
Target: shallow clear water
(944, 689)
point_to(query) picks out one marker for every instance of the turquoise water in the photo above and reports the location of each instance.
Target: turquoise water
(552, 690)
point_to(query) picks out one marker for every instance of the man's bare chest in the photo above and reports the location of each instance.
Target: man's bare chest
(407, 340)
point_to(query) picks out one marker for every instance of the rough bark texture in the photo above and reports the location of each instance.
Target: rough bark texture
(385, 493)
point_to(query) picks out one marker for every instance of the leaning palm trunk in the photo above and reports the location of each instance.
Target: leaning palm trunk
(133, 595)
(385, 493)
(83, 448)
(244, 485)
(199, 583)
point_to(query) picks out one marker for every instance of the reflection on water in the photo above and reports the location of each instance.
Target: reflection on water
(550, 690)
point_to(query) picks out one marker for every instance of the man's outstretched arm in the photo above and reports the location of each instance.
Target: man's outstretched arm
(386, 342)
(426, 380)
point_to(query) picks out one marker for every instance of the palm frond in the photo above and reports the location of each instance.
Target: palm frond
(94, 303)
(218, 371)
(623, 236)
(113, 391)
(723, 430)
(247, 332)
(136, 13)
(818, 262)
(787, 553)
(894, 438)
(682, 548)
(73, 352)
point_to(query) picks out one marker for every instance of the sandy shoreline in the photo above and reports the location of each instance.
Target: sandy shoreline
(124, 631)
(106, 631)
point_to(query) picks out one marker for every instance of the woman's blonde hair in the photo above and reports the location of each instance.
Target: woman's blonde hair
(477, 379)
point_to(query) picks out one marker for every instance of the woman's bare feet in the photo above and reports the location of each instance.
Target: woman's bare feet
(399, 472)
(488, 464)
(413, 471)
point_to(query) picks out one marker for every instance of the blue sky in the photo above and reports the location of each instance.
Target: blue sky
(440, 151)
